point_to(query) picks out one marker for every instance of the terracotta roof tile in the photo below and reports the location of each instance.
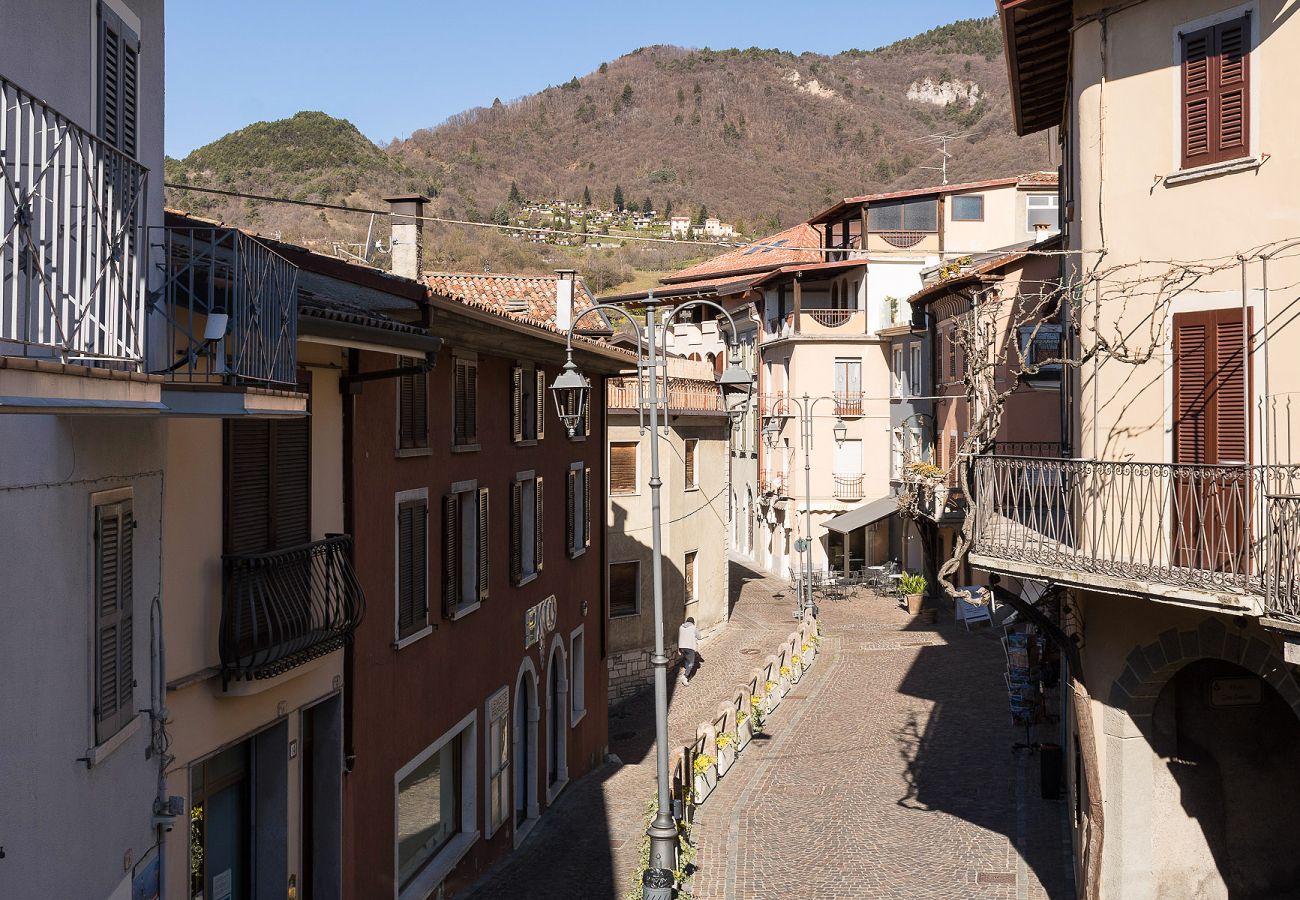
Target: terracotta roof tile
(529, 298)
(780, 249)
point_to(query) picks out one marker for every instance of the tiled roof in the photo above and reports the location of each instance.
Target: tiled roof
(528, 298)
(1046, 178)
(317, 306)
(780, 249)
(986, 264)
(1032, 179)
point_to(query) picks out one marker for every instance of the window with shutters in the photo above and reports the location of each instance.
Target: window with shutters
(624, 589)
(114, 589)
(119, 82)
(623, 456)
(691, 453)
(411, 561)
(268, 485)
(465, 403)
(915, 381)
(578, 511)
(527, 404)
(413, 412)
(1215, 89)
(465, 549)
(526, 528)
(690, 588)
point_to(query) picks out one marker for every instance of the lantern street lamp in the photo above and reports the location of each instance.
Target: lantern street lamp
(572, 391)
(771, 431)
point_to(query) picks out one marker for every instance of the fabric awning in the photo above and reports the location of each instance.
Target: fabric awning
(859, 516)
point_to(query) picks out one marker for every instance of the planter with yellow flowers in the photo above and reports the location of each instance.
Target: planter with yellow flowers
(807, 653)
(726, 752)
(783, 685)
(772, 696)
(705, 768)
(745, 721)
(796, 669)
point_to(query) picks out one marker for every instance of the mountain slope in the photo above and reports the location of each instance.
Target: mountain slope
(762, 138)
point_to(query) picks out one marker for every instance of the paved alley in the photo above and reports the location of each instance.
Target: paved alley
(887, 772)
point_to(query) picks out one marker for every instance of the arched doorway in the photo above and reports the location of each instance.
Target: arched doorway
(1226, 787)
(524, 748)
(557, 704)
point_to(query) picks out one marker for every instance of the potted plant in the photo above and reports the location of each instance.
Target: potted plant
(744, 729)
(784, 683)
(796, 669)
(913, 585)
(705, 768)
(807, 653)
(726, 752)
(771, 697)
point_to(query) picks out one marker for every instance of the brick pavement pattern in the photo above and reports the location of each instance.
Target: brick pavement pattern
(887, 772)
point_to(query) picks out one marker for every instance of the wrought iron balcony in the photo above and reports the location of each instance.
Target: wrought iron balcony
(231, 305)
(686, 396)
(287, 607)
(1135, 526)
(72, 211)
(849, 403)
(848, 487)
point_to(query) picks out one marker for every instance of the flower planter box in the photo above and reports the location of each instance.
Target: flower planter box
(783, 686)
(704, 784)
(726, 758)
(743, 734)
(809, 655)
(773, 700)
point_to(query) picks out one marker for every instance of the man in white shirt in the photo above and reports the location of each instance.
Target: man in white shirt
(688, 642)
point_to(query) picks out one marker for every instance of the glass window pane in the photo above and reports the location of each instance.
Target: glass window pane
(968, 208)
(921, 214)
(885, 217)
(428, 809)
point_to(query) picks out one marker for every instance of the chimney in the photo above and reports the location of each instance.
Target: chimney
(564, 298)
(404, 212)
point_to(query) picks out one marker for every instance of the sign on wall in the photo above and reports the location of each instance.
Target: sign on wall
(539, 620)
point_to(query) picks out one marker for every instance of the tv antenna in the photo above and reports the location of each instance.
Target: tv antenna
(939, 142)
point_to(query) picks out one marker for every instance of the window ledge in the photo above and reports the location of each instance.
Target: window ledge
(577, 716)
(1183, 176)
(574, 554)
(464, 448)
(97, 754)
(403, 452)
(527, 579)
(526, 442)
(626, 615)
(691, 489)
(412, 638)
(438, 868)
(578, 438)
(461, 612)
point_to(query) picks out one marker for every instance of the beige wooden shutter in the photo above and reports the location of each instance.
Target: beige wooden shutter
(450, 554)
(539, 528)
(517, 404)
(622, 468)
(541, 404)
(516, 532)
(483, 542)
(114, 627)
(586, 506)
(570, 512)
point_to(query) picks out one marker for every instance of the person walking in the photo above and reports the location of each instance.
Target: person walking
(688, 644)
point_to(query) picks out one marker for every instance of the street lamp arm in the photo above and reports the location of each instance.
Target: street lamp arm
(606, 308)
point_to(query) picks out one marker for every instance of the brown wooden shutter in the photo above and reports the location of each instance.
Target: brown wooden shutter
(413, 411)
(690, 577)
(586, 506)
(450, 554)
(1232, 41)
(460, 393)
(248, 487)
(541, 404)
(412, 567)
(516, 532)
(1211, 419)
(471, 401)
(1231, 415)
(291, 482)
(1216, 93)
(114, 626)
(690, 463)
(622, 468)
(570, 512)
(119, 58)
(517, 404)
(539, 529)
(1198, 96)
(483, 544)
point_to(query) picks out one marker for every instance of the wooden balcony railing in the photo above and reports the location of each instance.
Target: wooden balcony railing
(287, 607)
(848, 487)
(211, 272)
(1203, 527)
(72, 214)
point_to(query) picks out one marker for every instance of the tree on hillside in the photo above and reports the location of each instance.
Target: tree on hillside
(586, 196)
(668, 210)
(604, 67)
(618, 197)
(647, 207)
(515, 197)
(626, 96)
(501, 214)
(700, 215)
(633, 206)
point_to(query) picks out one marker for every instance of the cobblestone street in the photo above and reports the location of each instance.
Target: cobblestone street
(887, 772)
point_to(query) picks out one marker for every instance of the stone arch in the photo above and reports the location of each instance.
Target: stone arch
(557, 718)
(1129, 728)
(525, 711)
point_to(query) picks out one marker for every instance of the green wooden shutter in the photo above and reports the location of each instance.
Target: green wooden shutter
(114, 626)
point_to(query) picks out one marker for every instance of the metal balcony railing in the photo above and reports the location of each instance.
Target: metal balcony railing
(72, 212)
(773, 484)
(1282, 553)
(1036, 449)
(830, 318)
(1195, 526)
(286, 607)
(685, 395)
(848, 487)
(849, 403)
(777, 404)
(231, 304)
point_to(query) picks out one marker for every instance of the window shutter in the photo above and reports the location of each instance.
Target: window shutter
(114, 596)
(516, 532)
(483, 543)
(538, 530)
(471, 402)
(952, 460)
(622, 468)
(570, 511)
(690, 463)
(1231, 416)
(517, 404)
(586, 414)
(413, 411)
(541, 404)
(1191, 366)
(119, 57)
(690, 577)
(412, 567)
(1198, 47)
(291, 482)
(459, 403)
(586, 506)
(450, 554)
(248, 487)
(1233, 86)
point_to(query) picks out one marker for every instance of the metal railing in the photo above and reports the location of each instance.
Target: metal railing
(777, 404)
(848, 487)
(1035, 449)
(1194, 526)
(1282, 599)
(684, 395)
(208, 273)
(72, 212)
(286, 607)
(773, 484)
(776, 328)
(830, 318)
(849, 403)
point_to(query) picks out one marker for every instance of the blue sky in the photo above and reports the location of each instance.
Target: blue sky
(392, 66)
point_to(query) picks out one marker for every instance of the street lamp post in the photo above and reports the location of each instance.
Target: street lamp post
(805, 405)
(571, 391)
